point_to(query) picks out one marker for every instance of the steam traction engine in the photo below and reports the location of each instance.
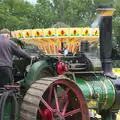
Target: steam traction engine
(65, 87)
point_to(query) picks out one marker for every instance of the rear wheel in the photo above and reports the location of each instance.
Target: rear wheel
(54, 99)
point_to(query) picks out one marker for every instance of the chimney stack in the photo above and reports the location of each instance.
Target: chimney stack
(105, 27)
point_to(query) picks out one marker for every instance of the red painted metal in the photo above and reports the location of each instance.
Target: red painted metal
(46, 104)
(56, 99)
(57, 102)
(72, 112)
(61, 68)
(47, 115)
(65, 107)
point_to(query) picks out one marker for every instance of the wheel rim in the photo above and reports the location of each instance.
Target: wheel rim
(63, 100)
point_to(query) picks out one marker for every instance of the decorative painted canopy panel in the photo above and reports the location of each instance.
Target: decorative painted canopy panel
(49, 40)
(57, 33)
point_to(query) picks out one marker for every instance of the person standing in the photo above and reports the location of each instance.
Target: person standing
(8, 48)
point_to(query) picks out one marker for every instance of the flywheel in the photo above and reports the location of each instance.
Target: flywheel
(54, 98)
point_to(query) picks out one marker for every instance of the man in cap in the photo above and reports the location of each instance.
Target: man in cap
(7, 49)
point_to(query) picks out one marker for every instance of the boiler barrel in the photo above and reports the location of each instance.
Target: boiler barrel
(101, 85)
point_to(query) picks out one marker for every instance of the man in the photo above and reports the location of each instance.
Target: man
(7, 49)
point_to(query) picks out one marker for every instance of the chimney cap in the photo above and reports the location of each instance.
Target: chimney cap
(105, 7)
(105, 10)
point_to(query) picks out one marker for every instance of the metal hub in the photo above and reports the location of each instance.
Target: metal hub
(55, 115)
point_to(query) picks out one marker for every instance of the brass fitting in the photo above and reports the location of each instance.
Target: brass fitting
(106, 11)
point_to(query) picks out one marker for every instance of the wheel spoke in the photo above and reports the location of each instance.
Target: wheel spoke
(72, 112)
(56, 99)
(40, 111)
(46, 104)
(63, 95)
(50, 95)
(65, 107)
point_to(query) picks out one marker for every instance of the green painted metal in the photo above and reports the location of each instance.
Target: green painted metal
(9, 109)
(102, 86)
(34, 73)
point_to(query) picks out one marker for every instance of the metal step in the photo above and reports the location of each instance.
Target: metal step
(75, 64)
(77, 68)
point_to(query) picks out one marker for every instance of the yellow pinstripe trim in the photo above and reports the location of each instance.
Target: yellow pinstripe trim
(89, 88)
(106, 91)
(113, 90)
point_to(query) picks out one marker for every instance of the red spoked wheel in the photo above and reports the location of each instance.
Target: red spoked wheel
(61, 100)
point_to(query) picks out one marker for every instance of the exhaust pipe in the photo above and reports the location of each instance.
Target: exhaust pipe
(105, 26)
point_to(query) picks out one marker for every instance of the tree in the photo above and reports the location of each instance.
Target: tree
(14, 14)
(42, 15)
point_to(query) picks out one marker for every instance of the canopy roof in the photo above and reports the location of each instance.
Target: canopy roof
(52, 37)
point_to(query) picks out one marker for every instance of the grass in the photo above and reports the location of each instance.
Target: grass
(118, 116)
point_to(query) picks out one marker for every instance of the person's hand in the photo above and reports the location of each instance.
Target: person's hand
(33, 57)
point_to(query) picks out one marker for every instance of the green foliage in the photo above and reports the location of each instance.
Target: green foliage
(18, 14)
(42, 15)
(14, 14)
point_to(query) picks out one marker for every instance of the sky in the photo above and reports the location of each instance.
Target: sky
(32, 1)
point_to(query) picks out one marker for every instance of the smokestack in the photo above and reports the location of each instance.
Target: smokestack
(106, 39)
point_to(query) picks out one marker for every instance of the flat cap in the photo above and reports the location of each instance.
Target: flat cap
(4, 31)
